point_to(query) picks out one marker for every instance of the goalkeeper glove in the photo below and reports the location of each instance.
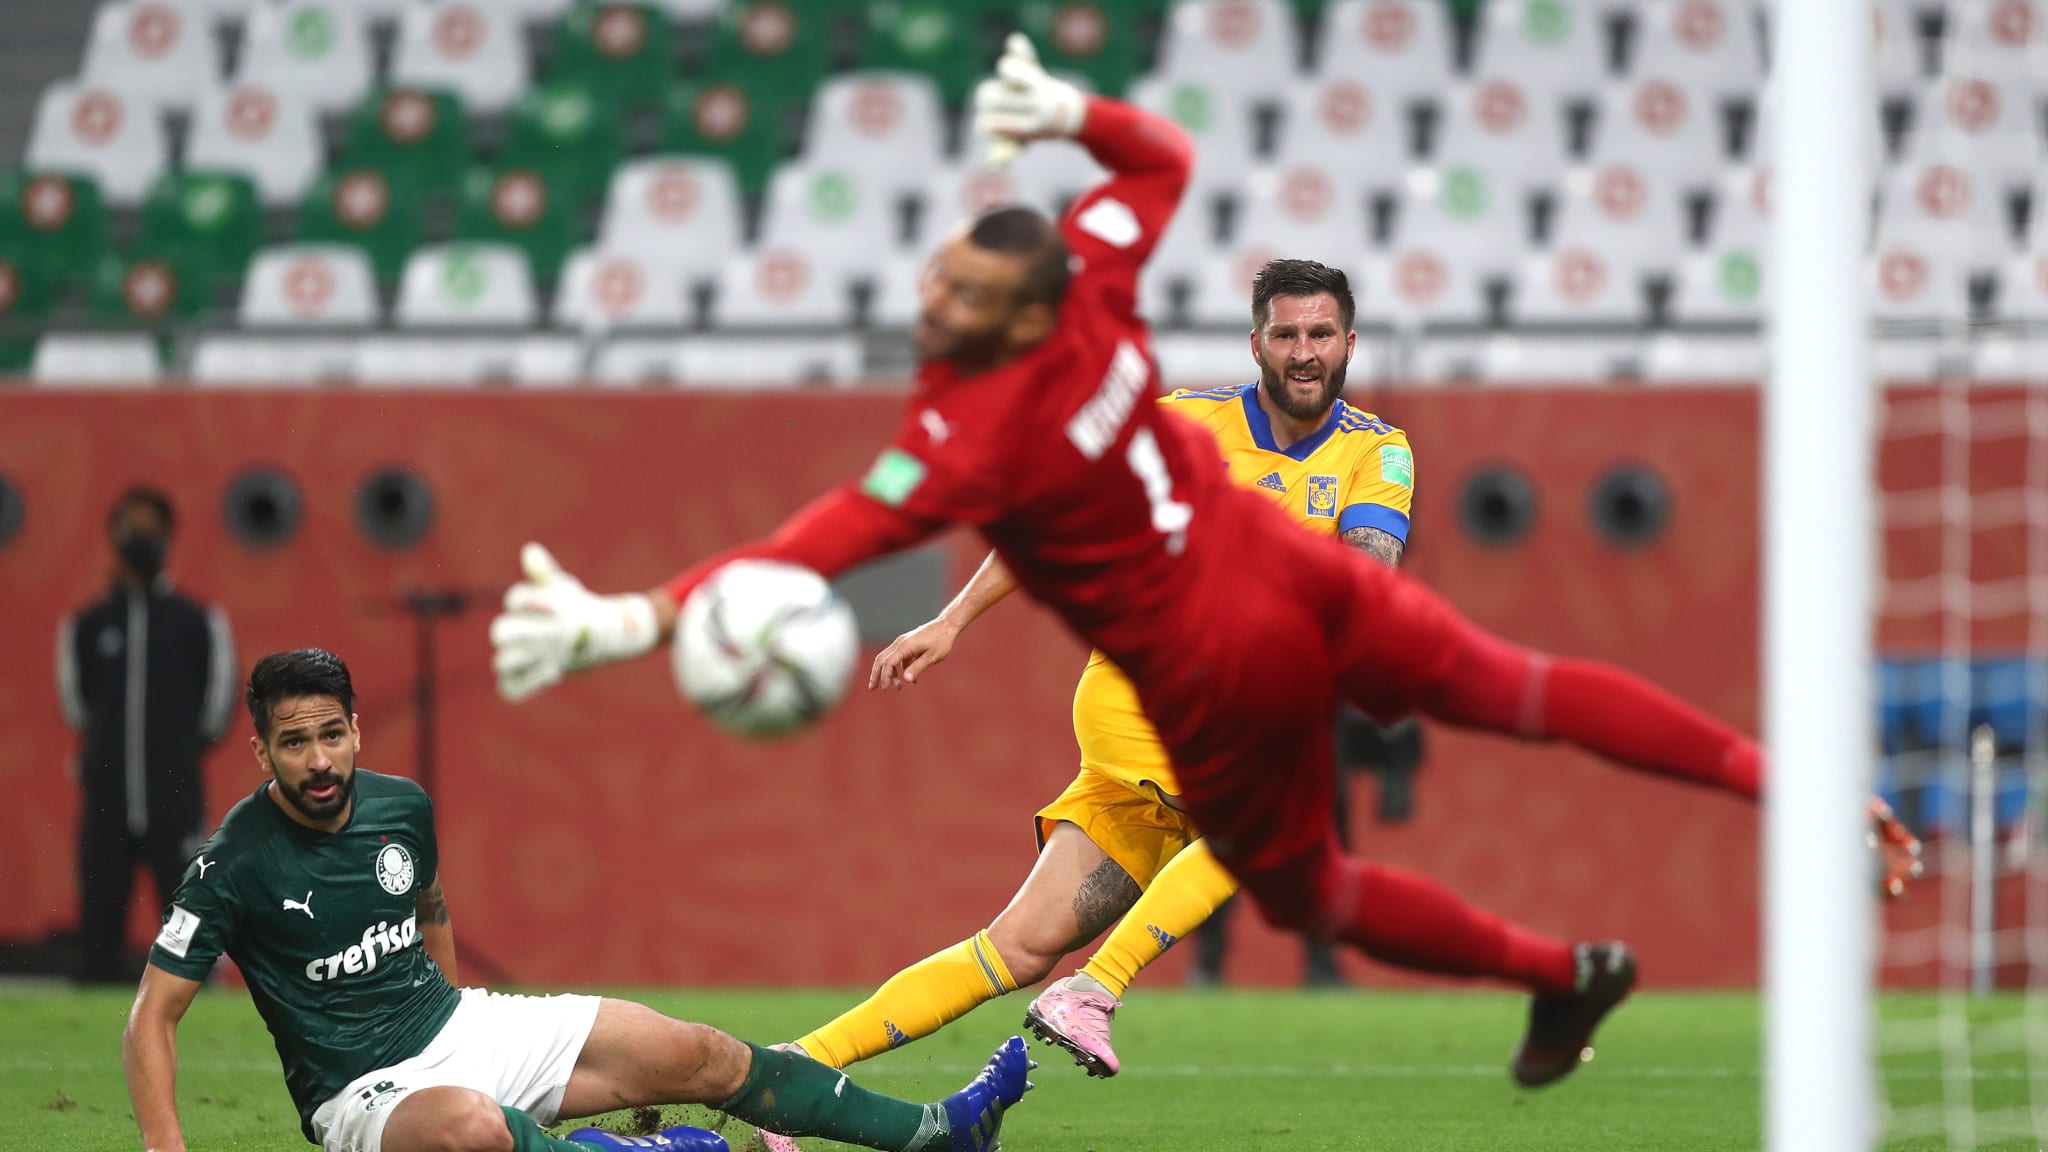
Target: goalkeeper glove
(1898, 850)
(1021, 102)
(552, 625)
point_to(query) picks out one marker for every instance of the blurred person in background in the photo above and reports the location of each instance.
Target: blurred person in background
(147, 678)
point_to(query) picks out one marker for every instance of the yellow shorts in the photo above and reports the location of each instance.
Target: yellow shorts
(1138, 831)
(1115, 738)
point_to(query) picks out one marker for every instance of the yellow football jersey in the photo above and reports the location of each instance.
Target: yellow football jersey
(1354, 471)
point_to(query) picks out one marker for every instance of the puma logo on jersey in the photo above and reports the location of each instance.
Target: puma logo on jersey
(305, 905)
(379, 941)
(202, 863)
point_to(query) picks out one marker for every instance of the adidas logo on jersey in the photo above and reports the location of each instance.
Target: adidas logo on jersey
(1272, 480)
(382, 940)
(1162, 937)
(897, 1036)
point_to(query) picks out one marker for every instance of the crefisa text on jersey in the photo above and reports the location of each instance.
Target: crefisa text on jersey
(382, 940)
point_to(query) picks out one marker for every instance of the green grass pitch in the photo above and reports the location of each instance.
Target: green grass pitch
(1228, 1071)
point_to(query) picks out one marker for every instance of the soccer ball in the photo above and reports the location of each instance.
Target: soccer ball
(764, 648)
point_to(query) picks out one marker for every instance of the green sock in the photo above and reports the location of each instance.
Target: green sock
(528, 1137)
(793, 1095)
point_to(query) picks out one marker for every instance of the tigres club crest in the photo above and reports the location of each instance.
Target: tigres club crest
(1322, 496)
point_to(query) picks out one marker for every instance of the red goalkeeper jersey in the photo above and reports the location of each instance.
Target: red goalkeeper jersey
(1097, 501)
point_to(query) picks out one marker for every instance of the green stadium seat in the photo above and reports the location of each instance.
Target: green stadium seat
(725, 121)
(418, 137)
(150, 289)
(940, 39)
(1086, 38)
(775, 50)
(563, 131)
(25, 298)
(210, 221)
(52, 221)
(366, 209)
(624, 54)
(518, 206)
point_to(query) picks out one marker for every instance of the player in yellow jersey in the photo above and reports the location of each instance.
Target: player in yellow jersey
(1115, 842)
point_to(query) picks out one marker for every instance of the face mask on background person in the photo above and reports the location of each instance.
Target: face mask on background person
(143, 553)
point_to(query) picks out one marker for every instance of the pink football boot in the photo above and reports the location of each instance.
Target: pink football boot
(1077, 1020)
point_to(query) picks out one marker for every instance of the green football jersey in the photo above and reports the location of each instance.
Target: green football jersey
(323, 927)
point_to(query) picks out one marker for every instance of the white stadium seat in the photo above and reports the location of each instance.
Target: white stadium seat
(1990, 127)
(471, 48)
(1420, 285)
(1999, 39)
(1302, 211)
(1707, 47)
(845, 224)
(151, 52)
(603, 289)
(2023, 287)
(1177, 258)
(1722, 286)
(467, 285)
(1914, 281)
(271, 137)
(1348, 126)
(1400, 49)
(309, 285)
(95, 359)
(1655, 124)
(886, 126)
(960, 193)
(1218, 120)
(1899, 56)
(782, 287)
(1742, 205)
(440, 361)
(637, 361)
(1556, 51)
(317, 50)
(1459, 215)
(237, 360)
(793, 361)
(681, 213)
(1579, 284)
(1249, 48)
(1500, 127)
(1046, 176)
(1622, 204)
(1966, 215)
(95, 131)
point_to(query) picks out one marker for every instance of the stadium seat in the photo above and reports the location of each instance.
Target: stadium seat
(1356, 131)
(844, 226)
(1914, 280)
(1220, 123)
(603, 289)
(150, 289)
(937, 39)
(1399, 49)
(884, 127)
(1085, 38)
(474, 50)
(1742, 204)
(1720, 287)
(1989, 127)
(1997, 39)
(151, 53)
(724, 121)
(623, 54)
(637, 361)
(53, 223)
(26, 292)
(1553, 49)
(1654, 124)
(95, 132)
(793, 361)
(1573, 284)
(960, 193)
(1303, 211)
(315, 50)
(530, 360)
(680, 214)
(467, 285)
(1705, 358)
(1622, 204)
(1051, 173)
(561, 131)
(2023, 289)
(95, 359)
(1708, 48)
(362, 208)
(1500, 128)
(1967, 215)
(782, 287)
(419, 139)
(1246, 49)
(518, 206)
(239, 360)
(1419, 284)
(773, 51)
(1178, 257)
(1899, 57)
(206, 222)
(898, 295)
(309, 286)
(272, 138)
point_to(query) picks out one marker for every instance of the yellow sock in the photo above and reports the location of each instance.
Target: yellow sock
(1186, 892)
(914, 1003)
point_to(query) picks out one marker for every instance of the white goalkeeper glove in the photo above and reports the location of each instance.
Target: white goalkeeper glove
(552, 625)
(1021, 102)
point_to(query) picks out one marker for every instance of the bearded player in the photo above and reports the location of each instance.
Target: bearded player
(325, 887)
(1029, 422)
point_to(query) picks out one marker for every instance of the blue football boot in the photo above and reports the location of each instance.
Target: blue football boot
(681, 1138)
(976, 1111)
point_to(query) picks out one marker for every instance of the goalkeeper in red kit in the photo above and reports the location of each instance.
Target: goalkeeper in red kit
(1031, 420)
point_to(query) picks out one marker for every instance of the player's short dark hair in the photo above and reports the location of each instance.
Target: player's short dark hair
(1027, 232)
(1300, 278)
(284, 676)
(143, 496)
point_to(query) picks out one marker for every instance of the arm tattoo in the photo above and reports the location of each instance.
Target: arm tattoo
(1104, 897)
(1383, 546)
(432, 905)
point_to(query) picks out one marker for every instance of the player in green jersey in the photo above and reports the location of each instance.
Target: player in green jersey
(324, 887)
